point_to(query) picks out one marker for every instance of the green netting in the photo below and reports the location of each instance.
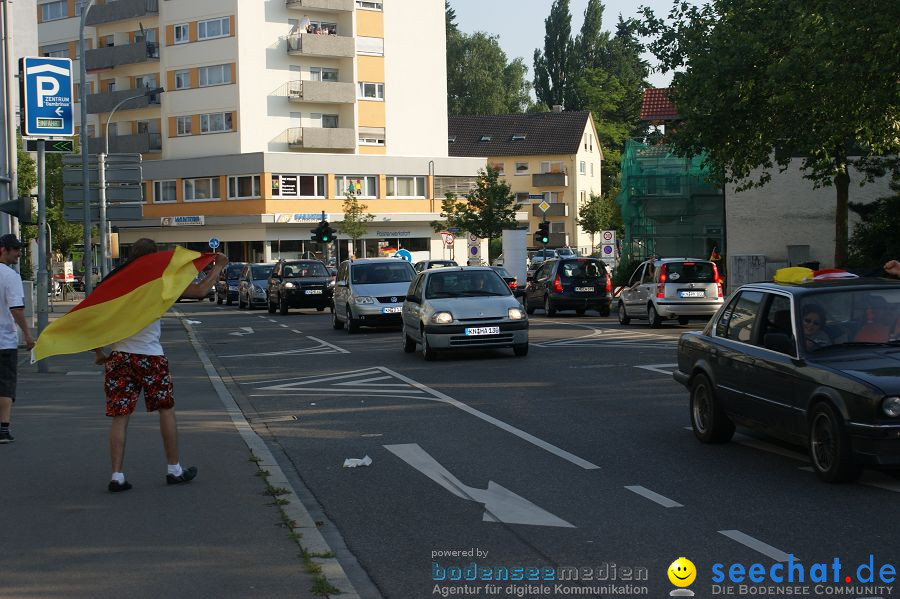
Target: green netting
(668, 207)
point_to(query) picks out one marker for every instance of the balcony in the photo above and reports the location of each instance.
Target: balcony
(322, 5)
(141, 143)
(120, 10)
(113, 56)
(311, 44)
(549, 180)
(556, 209)
(319, 138)
(323, 92)
(105, 102)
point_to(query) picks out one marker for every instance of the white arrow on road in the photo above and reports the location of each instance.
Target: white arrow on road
(500, 504)
(243, 331)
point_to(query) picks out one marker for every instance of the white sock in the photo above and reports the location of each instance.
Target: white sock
(175, 469)
(119, 477)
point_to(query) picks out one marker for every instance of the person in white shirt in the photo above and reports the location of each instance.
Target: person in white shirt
(12, 313)
(138, 364)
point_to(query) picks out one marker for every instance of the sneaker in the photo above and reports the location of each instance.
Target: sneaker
(117, 487)
(187, 475)
(6, 438)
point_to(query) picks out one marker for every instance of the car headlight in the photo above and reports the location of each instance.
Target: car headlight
(331, 284)
(515, 314)
(258, 288)
(442, 318)
(289, 285)
(891, 406)
(364, 299)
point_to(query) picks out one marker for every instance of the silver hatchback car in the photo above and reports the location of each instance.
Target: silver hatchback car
(462, 308)
(370, 292)
(665, 288)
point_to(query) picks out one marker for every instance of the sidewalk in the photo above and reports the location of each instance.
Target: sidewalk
(64, 535)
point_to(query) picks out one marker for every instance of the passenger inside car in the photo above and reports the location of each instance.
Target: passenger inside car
(879, 323)
(814, 327)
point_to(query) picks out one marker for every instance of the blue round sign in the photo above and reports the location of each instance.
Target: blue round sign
(607, 249)
(213, 243)
(403, 255)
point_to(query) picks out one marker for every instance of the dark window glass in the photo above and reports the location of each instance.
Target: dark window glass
(305, 269)
(690, 272)
(458, 283)
(262, 271)
(741, 316)
(389, 272)
(582, 269)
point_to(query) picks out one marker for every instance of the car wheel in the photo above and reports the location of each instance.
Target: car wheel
(352, 325)
(218, 299)
(409, 346)
(427, 352)
(282, 306)
(212, 298)
(529, 309)
(708, 420)
(520, 350)
(580, 311)
(549, 310)
(683, 320)
(623, 315)
(228, 300)
(250, 303)
(829, 446)
(271, 307)
(653, 317)
(336, 323)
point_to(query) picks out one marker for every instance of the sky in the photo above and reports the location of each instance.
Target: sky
(520, 23)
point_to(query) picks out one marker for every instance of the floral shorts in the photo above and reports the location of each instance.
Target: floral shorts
(129, 374)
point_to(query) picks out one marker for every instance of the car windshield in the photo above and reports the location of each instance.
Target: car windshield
(583, 269)
(567, 252)
(690, 272)
(234, 272)
(305, 269)
(502, 272)
(263, 271)
(850, 317)
(461, 283)
(382, 272)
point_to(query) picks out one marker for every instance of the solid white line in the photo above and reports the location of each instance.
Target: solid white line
(340, 349)
(272, 320)
(653, 496)
(315, 378)
(283, 325)
(755, 544)
(296, 331)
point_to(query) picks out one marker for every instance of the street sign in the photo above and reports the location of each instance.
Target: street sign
(607, 251)
(52, 146)
(448, 238)
(453, 230)
(474, 243)
(114, 194)
(544, 206)
(609, 237)
(535, 196)
(403, 255)
(213, 243)
(46, 96)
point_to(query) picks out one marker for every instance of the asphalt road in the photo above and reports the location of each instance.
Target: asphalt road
(578, 455)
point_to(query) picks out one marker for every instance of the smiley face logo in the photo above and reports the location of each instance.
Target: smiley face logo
(682, 572)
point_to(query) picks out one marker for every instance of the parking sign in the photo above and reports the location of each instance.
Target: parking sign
(46, 101)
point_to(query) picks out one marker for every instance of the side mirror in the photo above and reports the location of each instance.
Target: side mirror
(413, 299)
(779, 342)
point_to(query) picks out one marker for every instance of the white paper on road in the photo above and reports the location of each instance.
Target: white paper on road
(191, 321)
(354, 462)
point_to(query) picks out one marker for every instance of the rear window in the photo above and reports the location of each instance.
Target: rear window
(690, 272)
(305, 269)
(458, 283)
(261, 272)
(234, 271)
(387, 272)
(582, 269)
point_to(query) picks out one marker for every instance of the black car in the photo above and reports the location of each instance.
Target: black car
(578, 284)
(816, 364)
(511, 281)
(299, 284)
(227, 285)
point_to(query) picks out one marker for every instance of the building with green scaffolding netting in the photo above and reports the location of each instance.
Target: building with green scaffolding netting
(669, 209)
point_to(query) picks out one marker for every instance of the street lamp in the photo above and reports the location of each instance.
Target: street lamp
(101, 168)
(85, 179)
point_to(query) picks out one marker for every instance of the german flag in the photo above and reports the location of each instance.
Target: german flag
(126, 302)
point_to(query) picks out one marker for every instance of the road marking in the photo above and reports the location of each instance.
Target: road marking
(500, 504)
(283, 325)
(331, 345)
(755, 544)
(83, 372)
(323, 347)
(660, 368)
(272, 320)
(771, 448)
(296, 331)
(653, 496)
(243, 331)
(615, 338)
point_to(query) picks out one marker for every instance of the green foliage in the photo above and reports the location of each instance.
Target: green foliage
(875, 240)
(26, 172)
(356, 217)
(480, 81)
(554, 68)
(450, 16)
(758, 83)
(599, 213)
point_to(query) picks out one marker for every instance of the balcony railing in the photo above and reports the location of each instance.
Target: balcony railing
(113, 56)
(325, 92)
(549, 180)
(98, 103)
(322, 5)
(140, 143)
(320, 138)
(120, 10)
(313, 44)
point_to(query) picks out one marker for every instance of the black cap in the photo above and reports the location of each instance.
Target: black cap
(10, 241)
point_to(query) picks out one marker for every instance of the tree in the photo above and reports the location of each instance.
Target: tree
(480, 81)
(450, 16)
(488, 209)
(599, 213)
(554, 68)
(761, 83)
(356, 218)
(875, 240)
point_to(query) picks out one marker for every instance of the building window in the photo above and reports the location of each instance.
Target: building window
(557, 227)
(582, 167)
(370, 46)
(551, 197)
(183, 125)
(219, 74)
(500, 167)
(552, 167)
(181, 33)
(215, 122)
(521, 168)
(201, 189)
(164, 192)
(214, 28)
(298, 186)
(52, 11)
(243, 188)
(322, 74)
(150, 81)
(329, 121)
(405, 187)
(55, 50)
(363, 186)
(369, 139)
(522, 197)
(371, 91)
(368, 5)
(183, 79)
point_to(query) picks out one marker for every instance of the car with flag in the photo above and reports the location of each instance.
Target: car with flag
(227, 285)
(299, 284)
(252, 285)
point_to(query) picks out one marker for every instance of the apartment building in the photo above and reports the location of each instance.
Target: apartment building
(273, 112)
(551, 156)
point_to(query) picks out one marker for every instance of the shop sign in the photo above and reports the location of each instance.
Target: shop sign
(393, 233)
(180, 221)
(284, 186)
(299, 217)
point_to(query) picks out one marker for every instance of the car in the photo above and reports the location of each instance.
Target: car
(667, 288)
(566, 253)
(467, 307)
(370, 292)
(298, 284)
(535, 260)
(498, 261)
(426, 264)
(578, 284)
(252, 285)
(511, 281)
(227, 285)
(815, 364)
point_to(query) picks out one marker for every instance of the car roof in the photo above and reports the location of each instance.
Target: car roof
(461, 268)
(860, 284)
(667, 260)
(374, 261)
(301, 261)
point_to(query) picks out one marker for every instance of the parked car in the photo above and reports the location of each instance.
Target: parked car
(227, 285)
(298, 284)
(815, 364)
(426, 264)
(511, 281)
(578, 284)
(666, 288)
(252, 285)
(498, 261)
(370, 292)
(462, 308)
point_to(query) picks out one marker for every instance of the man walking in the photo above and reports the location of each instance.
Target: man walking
(12, 313)
(138, 364)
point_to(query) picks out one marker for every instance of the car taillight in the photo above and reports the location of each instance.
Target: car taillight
(513, 284)
(717, 279)
(608, 283)
(661, 285)
(557, 285)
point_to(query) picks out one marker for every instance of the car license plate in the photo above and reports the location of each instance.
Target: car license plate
(391, 310)
(588, 289)
(471, 331)
(691, 294)
(313, 292)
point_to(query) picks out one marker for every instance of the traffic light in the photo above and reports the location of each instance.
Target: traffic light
(21, 209)
(542, 235)
(323, 233)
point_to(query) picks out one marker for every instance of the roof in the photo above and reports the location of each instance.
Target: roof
(517, 134)
(859, 284)
(657, 106)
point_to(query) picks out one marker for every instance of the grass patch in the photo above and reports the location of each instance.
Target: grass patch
(323, 587)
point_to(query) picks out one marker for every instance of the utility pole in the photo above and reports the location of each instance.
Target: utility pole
(8, 146)
(85, 178)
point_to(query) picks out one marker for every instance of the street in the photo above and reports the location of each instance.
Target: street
(578, 455)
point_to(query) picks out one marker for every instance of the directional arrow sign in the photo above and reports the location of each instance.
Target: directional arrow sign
(500, 504)
(52, 146)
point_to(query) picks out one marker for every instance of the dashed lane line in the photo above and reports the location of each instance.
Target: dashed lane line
(653, 496)
(755, 544)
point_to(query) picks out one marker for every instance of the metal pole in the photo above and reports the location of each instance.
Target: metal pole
(42, 275)
(9, 116)
(85, 178)
(101, 229)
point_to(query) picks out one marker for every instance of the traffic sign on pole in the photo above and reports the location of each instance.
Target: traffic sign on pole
(52, 146)
(46, 96)
(214, 242)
